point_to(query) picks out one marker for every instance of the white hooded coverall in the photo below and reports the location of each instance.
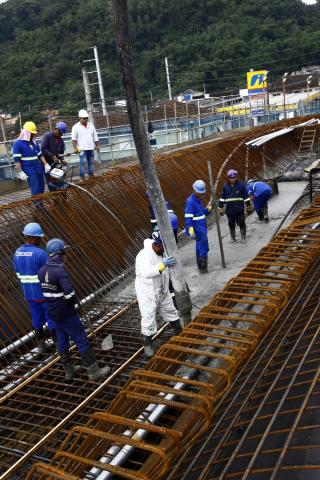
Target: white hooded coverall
(152, 289)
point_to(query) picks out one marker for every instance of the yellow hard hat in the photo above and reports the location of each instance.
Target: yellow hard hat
(30, 127)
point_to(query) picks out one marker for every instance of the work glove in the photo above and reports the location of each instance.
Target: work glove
(191, 233)
(167, 262)
(21, 175)
(221, 211)
(47, 168)
(249, 209)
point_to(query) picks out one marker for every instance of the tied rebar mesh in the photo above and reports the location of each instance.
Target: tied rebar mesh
(190, 373)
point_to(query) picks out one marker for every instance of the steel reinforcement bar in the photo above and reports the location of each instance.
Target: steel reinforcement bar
(165, 407)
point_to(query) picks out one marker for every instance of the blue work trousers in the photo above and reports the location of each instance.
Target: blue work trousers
(36, 182)
(202, 247)
(89, 156)
(39, 315)
(260, 202)
(71, 327)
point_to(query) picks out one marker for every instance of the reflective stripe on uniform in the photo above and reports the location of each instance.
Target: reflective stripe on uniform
(17, 154)
(188, 215)
(170, 211)
(53, 295)
(247, 199)
(70, 295)
(234, 199)
(199, 218)
(30, 158)
(153, 220)
(28, 278)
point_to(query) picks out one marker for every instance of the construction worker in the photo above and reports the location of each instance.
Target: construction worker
(196, 224)
(260, 193)
(59, 292)
(234, 198)
(172, 216)
(30, 163)
(53, 147)
(28, 259)
(84, 140)
(152, 290)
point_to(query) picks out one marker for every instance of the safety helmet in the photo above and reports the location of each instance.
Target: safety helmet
(173, 220)
(156, 237)
(33, 230)
(147, 194)
(232, 173)
(199, 186)
(251, 181)
(62, 127)
(83, 114)
(30, 127)
(55, 245)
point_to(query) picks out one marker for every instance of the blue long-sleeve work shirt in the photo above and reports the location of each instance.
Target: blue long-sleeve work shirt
(234, 197)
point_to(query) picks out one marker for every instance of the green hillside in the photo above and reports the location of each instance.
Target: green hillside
(211, 42)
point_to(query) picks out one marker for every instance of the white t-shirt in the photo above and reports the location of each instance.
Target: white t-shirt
(84, 136)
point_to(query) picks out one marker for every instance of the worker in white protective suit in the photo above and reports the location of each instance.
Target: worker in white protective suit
(152, 289)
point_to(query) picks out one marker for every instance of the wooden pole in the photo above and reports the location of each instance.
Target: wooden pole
(120, 12)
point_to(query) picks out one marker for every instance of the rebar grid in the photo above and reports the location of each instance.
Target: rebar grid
(188, 375)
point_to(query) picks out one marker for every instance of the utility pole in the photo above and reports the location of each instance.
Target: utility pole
(87, 93)
(168, 78)
(7, 146)
(120, 13)
(284, 79)
(309, 79)
(103, 101)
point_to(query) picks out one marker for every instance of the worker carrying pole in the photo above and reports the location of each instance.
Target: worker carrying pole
(120, 12)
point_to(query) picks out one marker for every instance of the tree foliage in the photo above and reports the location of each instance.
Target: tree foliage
(211, 42)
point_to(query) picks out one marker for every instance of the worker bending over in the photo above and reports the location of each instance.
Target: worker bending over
(152, 290)
(260, 193)
(234, 198)
(196, 224)
(60, 295)
(172, 217)
(28, 259)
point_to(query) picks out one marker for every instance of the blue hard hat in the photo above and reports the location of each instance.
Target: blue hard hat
(156, 237)
(174, 220)
(33, 230)
(199, 186)
(55, 245)
(62, 127)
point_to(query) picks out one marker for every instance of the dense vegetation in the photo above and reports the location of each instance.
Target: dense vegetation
(211, 42)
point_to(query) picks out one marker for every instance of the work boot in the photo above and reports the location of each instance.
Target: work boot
(147, 346)
(69, 368)
(40, 341)
(176, 325)
(93, 369)
(203, 264)
(265, 213)
(54, 338)
(233, 234)
(243, 232)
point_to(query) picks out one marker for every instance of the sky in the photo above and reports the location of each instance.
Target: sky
(309, 2)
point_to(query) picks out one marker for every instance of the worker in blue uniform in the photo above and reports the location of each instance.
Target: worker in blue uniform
(59, 292)
(260, 192)
(172, 216)
(28, 259)
(234, 197)
(196, 224)
(29, 161)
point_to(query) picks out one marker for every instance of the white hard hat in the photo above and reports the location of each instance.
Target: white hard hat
(83, 114)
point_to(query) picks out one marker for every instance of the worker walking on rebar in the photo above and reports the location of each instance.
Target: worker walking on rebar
(260, 192)
(29, 161)
(233, 199)
(59, 292)
(28, 259)
(152, 289)
(196, 224)
(85, 140)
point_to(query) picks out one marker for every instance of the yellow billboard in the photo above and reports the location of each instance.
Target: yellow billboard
(257, 82)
